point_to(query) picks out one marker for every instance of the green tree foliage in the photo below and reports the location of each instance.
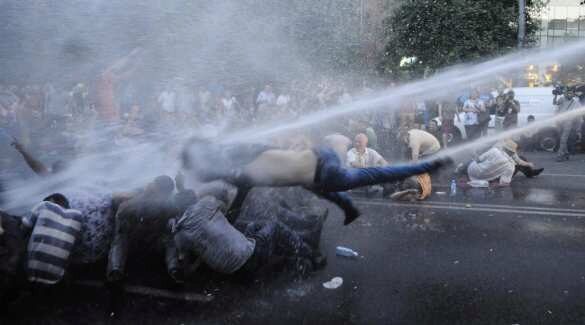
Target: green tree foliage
(440, 33)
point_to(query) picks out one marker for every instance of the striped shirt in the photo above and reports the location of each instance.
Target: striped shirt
(53, 237)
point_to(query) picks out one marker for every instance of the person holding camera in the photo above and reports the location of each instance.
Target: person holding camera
(565, 103)
(507, 110)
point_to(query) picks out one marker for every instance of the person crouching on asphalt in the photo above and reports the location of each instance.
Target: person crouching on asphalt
(203, 232)
(320, 169)
(140, 225)
(501, 162)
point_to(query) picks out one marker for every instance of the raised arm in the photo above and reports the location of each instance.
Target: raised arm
(38, 167)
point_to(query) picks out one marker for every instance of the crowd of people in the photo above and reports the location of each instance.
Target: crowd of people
(217, 223)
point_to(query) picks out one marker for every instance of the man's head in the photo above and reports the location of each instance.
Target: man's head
(474, 94)
(360, 142)
(58, 199)
(162, 186)
(433, 126)
(268, 88)
(199, 157)
(530, 119)
(509, 146)
(570, 93)
(510, 94)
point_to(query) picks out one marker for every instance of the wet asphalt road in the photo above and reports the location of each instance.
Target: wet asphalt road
(506, 256)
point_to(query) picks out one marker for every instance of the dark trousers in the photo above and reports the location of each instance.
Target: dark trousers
(273, 238)
(473, 131)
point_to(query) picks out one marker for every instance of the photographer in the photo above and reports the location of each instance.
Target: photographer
(507, 111)
(565, 103)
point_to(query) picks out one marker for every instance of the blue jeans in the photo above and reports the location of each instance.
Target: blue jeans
(331, 176)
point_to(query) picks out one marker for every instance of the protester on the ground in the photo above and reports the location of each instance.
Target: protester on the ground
(320, 170)
(55, 232)
(566, 103)
(500, 162)
(472, 108)
(522, 165)
(204, 232)
(140, 225)
(419, 143)
(360, 156)
(417, 187)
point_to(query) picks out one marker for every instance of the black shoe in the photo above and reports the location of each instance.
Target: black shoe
(562, 158)
(351, 213)
(535, 172)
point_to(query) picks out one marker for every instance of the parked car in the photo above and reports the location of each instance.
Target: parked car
(537, 102)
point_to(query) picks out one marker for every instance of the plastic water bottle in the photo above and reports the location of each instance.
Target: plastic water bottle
(347, 252)
(453, 186)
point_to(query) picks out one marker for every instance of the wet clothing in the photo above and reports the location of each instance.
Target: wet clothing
(140, 226)
(97, 225)
(220, 245)
(422, 143)
(491, 165)
(370, 158)
(272, 239)
(204, 231)
(55, 232)
(331, 176)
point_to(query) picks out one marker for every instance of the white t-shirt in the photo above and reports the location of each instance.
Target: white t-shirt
(370, 158)
(166, 99)
(266, 98)
(472, 118)
(283, 100)
(491, 165)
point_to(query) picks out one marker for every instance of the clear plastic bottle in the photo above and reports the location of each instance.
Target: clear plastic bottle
(347, 252)
(453, 188)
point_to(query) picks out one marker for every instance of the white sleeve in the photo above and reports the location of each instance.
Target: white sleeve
(378, 159)
(351, 157)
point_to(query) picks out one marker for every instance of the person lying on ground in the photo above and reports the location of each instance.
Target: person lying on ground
(414, 188)
(295, 207)
(140, 225)
(203, 233)
(319, 170)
